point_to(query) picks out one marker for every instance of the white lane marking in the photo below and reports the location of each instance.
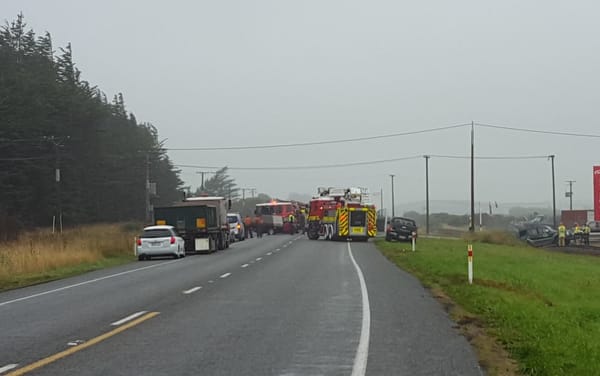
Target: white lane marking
(129, 318)
(269, 253)
(225, 275)
(192, 290)
(211, 281)
(245, 265)
(278, 249)
(258, 258)
(85, 283)
(285, 245)
(8, 367)
(77, 342)
(289, 242)
(362, 351)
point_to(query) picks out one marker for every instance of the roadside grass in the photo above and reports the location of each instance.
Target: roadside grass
(41, 256)
(542, 307)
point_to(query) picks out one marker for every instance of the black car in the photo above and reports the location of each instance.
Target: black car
(400, 228)
(540, 235)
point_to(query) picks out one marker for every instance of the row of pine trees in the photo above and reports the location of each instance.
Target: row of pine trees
(51, 118)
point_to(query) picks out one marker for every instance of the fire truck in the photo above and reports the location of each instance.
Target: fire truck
(341, 214)
(274, 215)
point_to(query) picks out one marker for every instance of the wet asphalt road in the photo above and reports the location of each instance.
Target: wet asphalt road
(281, 305)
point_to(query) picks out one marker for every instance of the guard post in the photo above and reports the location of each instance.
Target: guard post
(470, 262)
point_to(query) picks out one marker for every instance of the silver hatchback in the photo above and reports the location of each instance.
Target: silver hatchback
(159, 241)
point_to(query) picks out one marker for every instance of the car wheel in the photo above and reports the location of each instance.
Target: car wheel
(141, 258)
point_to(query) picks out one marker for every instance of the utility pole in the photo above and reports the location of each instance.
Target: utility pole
(426, 194)
(57, 179)
(570, 193)
(203, 173)
(147, 215)
(553, 193)
(244, 197)
(57, 144)
(381, 199)
(472, 227)
(393, 209)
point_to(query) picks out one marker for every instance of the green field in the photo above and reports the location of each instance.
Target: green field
(543, 307)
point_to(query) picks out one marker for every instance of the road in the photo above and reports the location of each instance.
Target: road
(280, 305)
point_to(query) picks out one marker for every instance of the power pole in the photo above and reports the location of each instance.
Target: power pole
(472, 227)
(393, 210)
(381, 199)
(203, 173)
(147, 215)
(570, 193)
(427, 194)
(553, 193)
(57, 179)
(57, 144)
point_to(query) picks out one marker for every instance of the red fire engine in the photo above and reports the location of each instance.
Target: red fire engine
(342, 213)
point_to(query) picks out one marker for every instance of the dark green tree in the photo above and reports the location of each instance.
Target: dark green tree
(220, 184)
(50, 117)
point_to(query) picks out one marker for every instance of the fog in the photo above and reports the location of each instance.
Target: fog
(246, 73)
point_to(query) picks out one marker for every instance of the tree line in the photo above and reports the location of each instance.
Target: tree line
(64, 147)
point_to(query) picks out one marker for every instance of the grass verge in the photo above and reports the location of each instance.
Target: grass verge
(42, 256)
(541, 307)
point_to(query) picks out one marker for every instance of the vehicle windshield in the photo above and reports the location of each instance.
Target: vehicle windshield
(232, 219)
(156, 233)
(403, 221)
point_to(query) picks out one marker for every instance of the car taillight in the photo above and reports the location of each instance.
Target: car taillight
(172, 240)
(139, 241)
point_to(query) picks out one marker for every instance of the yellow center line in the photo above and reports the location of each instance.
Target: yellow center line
(43, 362)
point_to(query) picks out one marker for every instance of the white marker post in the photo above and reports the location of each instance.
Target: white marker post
(414, 240)
(470, 262)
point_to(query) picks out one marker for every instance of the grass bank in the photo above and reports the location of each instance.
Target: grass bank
(42, 256)
(542, 307)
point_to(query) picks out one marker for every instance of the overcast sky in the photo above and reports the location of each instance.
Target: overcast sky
(233, 73)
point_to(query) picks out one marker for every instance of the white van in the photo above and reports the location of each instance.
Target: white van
(236, 226)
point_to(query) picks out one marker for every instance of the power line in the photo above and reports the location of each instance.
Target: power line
(306, 167)
(364, 163)
(556, 133)
(515, 157)
(23, 159)
(317, 142)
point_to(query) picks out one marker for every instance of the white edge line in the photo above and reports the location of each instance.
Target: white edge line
(285, 245)
(278, 249)
(225, 275)
(258, 258)
(269, 253)
(362, 351)
(245, 266)
(85, 283)
(8, 367)
(129, 318)
(192, 290)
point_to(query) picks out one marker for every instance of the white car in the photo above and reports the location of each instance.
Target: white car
(236, 226)
(159, 241)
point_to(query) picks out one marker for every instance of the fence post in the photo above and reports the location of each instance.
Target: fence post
(470, 262)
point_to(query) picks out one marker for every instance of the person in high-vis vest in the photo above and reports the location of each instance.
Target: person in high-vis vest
(249, 226)
(562, 235)
(586, 234)
(577, 233)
